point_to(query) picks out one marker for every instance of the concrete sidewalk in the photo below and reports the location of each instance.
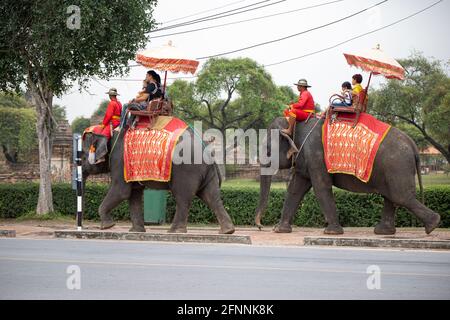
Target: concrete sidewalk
(314, 236)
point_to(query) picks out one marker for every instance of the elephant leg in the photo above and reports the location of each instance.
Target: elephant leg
(429, 218)
(112, 199)
(211, 196)
(180, 220)
(298, 187)
(322, 186)
(387, 224)
(137, 210)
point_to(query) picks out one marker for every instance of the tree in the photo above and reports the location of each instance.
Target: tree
(230, 94)
(79, 124)
(59, 112)
(422, 101)
(47, 45)
(100, 111)
(17, 119)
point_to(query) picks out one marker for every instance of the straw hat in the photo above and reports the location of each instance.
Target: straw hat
(112, 92)
(302, 83)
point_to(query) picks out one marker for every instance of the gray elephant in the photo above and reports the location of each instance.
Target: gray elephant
(393, 177)
(187, 181)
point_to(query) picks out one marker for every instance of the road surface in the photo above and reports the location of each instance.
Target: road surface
(88, 269)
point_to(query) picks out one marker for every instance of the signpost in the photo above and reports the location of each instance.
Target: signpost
(77, 181)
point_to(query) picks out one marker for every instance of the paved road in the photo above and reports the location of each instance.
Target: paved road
(37, 269)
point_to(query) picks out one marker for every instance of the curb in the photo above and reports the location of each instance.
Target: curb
(7, 233)
(164, 237)
(378, 243)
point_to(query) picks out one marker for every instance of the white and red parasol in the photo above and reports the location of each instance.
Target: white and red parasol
(167, 58)
(376, 62)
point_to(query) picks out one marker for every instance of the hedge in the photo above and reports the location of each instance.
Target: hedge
(355, 210)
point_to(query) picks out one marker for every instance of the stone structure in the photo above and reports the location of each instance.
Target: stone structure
(61, 161)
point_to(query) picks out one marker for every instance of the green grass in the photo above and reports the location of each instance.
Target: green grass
(250, 183)
(435, 179)
(428, 180)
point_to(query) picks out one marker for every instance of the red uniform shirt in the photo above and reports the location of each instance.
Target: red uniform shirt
(305, 102)
(112, 115)
(113, 112)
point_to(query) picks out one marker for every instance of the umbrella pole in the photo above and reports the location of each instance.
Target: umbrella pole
(368, 83)
(367, 88)
(165, 79)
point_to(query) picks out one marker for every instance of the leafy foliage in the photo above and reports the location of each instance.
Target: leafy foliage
(101, 110)
(18, 123)
(230, 93)
(421, 102)
(79, 124)
(38, 42)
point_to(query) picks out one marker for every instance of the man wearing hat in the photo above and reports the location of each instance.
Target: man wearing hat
(112, 115)
(300, 110)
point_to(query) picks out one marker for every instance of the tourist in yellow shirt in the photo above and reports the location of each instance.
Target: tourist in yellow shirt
(356, 82)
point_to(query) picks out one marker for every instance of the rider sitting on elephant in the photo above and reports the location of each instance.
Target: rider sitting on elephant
(152, 91)
(356, 82)
(345, 99)
(112, 115)
(110, 121)
(300, 110)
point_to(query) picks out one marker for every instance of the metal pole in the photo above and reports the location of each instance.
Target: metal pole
(79, 180)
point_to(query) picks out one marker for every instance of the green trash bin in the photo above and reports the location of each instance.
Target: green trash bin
(155, 206)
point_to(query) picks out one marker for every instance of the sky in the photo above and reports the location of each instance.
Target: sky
(427, 32)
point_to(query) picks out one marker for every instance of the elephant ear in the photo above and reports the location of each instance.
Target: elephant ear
(98, 149)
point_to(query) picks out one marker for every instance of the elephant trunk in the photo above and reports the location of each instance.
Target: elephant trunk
(265, 182)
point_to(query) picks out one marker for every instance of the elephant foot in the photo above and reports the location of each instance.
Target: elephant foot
(432, 223)
(107, 224)
(137, 229)
(334, 229)
(260, 227)
(383, 228)
(282, 228)
(227, 230)
(177, 230)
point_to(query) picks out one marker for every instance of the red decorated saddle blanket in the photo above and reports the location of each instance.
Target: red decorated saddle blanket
(148, 152)
(352, 150)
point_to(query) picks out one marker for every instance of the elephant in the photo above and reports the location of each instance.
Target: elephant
(393, 177)
(187, 181)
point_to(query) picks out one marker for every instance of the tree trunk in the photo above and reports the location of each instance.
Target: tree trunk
(42, 100)
(440, 148)
(434, 143)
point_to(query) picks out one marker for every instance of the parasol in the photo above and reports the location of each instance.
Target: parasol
(376, 62)
(167, 58)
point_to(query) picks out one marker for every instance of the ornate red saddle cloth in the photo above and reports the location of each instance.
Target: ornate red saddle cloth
(148, 152)
(352, 150)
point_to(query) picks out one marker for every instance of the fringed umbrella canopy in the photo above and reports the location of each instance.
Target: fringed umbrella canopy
(376, 62)
(167, 58)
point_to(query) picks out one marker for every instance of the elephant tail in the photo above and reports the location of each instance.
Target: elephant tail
(419, 177)
(216, 167)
